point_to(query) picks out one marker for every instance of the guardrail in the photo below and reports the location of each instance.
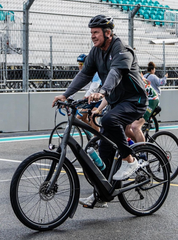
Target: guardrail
(32, 111)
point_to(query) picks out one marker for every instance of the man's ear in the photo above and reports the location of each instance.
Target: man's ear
(108, 33)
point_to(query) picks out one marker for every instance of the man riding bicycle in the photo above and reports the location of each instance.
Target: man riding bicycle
(122, 87)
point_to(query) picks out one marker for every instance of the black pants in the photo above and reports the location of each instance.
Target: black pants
(114, 124)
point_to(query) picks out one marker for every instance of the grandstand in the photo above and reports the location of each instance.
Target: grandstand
(66, 21)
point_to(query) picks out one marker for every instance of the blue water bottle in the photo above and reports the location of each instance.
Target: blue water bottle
(89, 133)
(97, 160)
(130, 141)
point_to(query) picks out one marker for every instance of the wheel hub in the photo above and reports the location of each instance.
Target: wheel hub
(47, 195)
(141, 177)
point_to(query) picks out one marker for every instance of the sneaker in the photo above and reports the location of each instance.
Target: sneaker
(126, 170)
(89, 200)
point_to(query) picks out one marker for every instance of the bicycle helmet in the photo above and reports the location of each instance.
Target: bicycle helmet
(101, 21)
(81, 58)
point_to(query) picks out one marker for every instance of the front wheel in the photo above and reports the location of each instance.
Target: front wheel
(149, 197)
(33, 205)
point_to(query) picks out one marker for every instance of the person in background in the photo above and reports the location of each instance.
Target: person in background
(90, 88)
(134, 130)
(155, 81)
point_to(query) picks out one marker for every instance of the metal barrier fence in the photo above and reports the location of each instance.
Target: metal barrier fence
(40, 41)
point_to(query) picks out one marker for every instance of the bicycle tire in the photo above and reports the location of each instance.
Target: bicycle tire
(57, 134)
(151, 124)
(168, 142)
(155, 123)
(32, 205)
(148, 198)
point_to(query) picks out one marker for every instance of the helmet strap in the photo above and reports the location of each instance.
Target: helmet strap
(105, 38)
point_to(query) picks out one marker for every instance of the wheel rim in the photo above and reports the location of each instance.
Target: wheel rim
(169, 144)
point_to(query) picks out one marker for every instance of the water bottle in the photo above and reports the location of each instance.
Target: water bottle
(130, 141)
(97, 160)
(89, 133)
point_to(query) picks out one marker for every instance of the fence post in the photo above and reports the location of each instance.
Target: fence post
(51, 60)
(131, 24)
(164, 59)
(26, 7)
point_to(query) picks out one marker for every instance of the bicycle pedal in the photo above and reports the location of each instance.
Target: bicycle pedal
(88, 206)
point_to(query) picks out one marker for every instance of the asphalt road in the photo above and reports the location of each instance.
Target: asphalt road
(105, 224)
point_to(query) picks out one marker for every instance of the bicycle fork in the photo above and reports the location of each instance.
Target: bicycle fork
(62, 150)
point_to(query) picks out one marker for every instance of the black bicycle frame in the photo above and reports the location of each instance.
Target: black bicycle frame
(102, 185)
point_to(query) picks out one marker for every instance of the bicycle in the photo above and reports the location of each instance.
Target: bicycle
(45, 188)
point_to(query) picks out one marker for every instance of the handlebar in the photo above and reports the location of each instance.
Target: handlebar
(71, 104)
(75, 104)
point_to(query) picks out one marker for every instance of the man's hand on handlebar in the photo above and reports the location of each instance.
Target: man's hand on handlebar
(95, 112)
(95, 97)
(60, 97)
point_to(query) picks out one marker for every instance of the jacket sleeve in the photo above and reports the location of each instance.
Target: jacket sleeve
(161, 81)
(113, 79)
(93, 88)
(122, 61)
(96, 82)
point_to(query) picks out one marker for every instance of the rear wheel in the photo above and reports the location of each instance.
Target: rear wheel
(33, 205)
(154, 124)
(168, 142)
(149, 197)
